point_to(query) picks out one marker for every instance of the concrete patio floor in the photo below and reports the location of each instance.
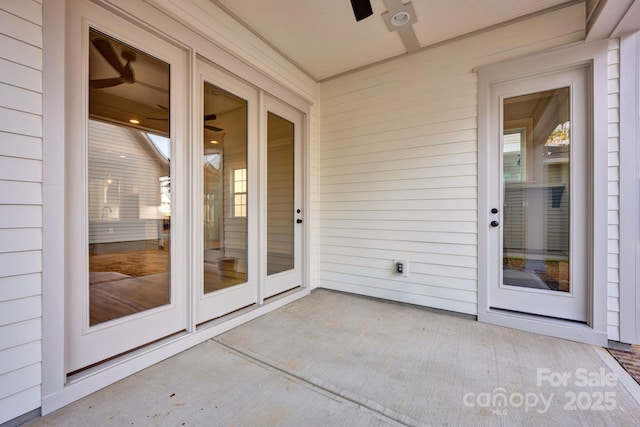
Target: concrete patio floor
(334, 359)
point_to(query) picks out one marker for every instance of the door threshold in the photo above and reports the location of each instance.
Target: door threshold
(549, 326)
(542, 317)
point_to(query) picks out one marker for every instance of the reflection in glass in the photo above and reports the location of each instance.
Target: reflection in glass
(129, 187)
(225, 189)
(279, 194)
(536, 172)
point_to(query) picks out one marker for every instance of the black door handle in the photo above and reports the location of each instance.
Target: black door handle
(299, 221)
(494, 223)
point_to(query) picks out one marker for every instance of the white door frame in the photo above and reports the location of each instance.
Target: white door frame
(593, 55)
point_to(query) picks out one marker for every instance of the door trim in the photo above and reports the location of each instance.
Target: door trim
(593, 55)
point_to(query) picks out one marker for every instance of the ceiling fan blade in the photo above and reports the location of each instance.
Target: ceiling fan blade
(102, 83)
(127, 74)
(361, 9)
(213, 128)
(208, 117)
(109, 54)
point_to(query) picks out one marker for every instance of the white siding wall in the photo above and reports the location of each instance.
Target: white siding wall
(399, 166)
(613, 258)
(20, 206)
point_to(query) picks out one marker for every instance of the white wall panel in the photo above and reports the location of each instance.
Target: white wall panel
(20, 206)
(20, 52)
(20, 99)
(398, 166)
(14, 287)
(613, 276)
(14, 145)
(20, 76)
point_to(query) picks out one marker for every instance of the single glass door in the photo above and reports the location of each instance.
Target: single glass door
(284, 214)
(538, 216)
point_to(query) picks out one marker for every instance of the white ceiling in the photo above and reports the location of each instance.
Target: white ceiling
(323, 38)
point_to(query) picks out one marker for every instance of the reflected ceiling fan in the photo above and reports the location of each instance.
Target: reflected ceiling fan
(126, 74)
(206, 118)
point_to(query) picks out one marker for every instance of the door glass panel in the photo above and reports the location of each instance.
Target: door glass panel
(536, 170)
(280, 194)
(225, 189)
(129, 186)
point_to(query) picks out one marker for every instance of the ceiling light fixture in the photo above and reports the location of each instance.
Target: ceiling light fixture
(400, 19)
(214, 142)
(134, 121)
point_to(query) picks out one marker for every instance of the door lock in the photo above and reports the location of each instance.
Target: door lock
(494, 223)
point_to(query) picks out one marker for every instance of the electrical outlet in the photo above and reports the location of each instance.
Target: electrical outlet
(401, 267)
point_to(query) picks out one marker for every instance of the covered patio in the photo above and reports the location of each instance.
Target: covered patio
(340, 359)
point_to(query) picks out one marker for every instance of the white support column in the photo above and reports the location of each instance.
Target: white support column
(629, 188)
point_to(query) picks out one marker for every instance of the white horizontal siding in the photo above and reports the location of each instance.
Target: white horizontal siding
(613, 231)
(398, 166)
(20, 207)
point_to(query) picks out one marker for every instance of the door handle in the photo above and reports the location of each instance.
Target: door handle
(299, 221)
(494, 223)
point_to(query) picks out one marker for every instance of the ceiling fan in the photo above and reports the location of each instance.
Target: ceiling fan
(361, 9)
(206, 118)
(126, 74)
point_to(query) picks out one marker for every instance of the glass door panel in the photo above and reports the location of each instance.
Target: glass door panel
(537, 192)
(225, 189)
(280, 194)
(226, 261)
(129, 188)
(283, 202)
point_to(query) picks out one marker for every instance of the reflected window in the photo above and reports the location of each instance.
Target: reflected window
(240, 193)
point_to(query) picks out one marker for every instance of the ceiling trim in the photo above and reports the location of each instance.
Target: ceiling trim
(605, 18)
(263, 39)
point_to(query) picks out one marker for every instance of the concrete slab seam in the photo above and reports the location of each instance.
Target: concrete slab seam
(386, 413)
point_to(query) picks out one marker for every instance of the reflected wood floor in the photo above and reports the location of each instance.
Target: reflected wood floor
(126, 283)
